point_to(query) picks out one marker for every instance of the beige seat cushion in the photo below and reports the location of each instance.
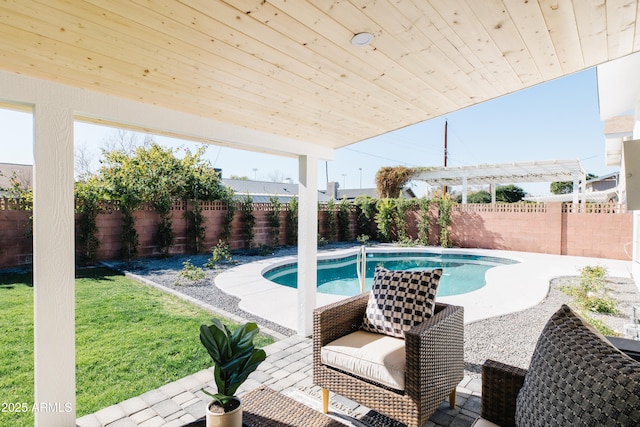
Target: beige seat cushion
(376, 357)
(481, 422)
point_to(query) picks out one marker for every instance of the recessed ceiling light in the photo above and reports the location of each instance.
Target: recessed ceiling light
(362, 39)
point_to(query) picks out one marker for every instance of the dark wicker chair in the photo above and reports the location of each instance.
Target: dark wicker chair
(575, 377)
(500, 386)
(434, 362)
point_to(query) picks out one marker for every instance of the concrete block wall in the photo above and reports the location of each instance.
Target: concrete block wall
(543, 228)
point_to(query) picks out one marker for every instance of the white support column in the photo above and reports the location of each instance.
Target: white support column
(464, 190)
(53, 267)
(307, 242)
(492, 187)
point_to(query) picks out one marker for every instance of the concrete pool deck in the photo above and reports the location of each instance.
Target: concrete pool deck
(510, 288)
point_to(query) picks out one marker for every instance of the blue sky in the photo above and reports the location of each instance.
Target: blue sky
(558, 120)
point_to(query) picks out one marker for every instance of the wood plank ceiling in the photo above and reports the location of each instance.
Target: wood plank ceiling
(289, 68)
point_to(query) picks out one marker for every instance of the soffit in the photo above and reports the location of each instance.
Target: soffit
(288, 67)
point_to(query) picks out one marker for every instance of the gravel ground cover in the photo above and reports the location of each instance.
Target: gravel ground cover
(509, 338)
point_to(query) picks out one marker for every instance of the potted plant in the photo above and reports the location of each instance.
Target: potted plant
(234, 357)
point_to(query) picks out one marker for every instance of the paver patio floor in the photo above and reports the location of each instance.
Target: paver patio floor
(288, 370)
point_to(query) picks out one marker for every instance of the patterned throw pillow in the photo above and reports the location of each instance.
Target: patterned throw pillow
(576, 378)
(399, 300)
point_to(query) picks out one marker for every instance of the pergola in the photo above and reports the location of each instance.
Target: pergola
(282, 77)
(505, 173)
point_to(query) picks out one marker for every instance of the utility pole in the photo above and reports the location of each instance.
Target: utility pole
(444, 188)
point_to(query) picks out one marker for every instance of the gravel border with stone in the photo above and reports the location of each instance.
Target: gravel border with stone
(509, 338)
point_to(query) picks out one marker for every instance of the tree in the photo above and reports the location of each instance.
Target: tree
(561, 187)
(390, 180)
(509, 193)
(83, 160)
(125, 141)
(481, 196)
(155, 175)
(566, 187)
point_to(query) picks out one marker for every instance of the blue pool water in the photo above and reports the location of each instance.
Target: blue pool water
(462, 273)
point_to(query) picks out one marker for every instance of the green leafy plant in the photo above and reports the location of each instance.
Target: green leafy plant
(363, 239)
(591, 294)
(248, 220)
(274, 219)
(343, 219)
(366, 207)
(330, 221)
(219, 253)
(195, 227)
(423, 221)
(292, 221)
(234, 356)
(162, 206)
(402, 207)
(444, 220)
(88, 206)
(190, 272)
(385, 218)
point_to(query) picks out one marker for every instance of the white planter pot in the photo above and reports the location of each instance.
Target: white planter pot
(227, 419)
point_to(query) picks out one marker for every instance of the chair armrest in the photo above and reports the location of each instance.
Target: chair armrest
(500, 386)
(435, 352)
(336, 320)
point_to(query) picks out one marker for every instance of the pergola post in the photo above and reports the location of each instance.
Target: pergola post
(576, 192)
(307, 242)
(53, 267)
(464, 190)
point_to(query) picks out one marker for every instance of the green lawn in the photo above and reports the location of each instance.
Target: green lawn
(130, 338)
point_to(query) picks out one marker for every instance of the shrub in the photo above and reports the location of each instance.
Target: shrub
(274, 219)
(366, 213)
(292, 221)
(248, 220)
(385, 218)
(343, 220)
(591, 293)
(219, 253)
(190, 272)
(423, 222)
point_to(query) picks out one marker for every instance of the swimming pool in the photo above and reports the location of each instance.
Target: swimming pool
(462, 273)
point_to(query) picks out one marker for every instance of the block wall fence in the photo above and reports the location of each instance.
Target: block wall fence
(603, 231)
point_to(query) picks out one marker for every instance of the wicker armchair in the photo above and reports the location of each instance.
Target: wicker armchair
(434, 362)
(576, 377)
(500, 386)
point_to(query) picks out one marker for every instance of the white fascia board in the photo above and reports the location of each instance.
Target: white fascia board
(618, 86)
(109, 110)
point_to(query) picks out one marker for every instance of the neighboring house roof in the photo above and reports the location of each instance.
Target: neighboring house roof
(352, 193)
(24, 173)
(262, 191)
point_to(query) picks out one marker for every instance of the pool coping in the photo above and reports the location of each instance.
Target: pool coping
(533, 272)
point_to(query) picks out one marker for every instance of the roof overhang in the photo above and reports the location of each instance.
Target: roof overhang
(288, 68)
(619, 86)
